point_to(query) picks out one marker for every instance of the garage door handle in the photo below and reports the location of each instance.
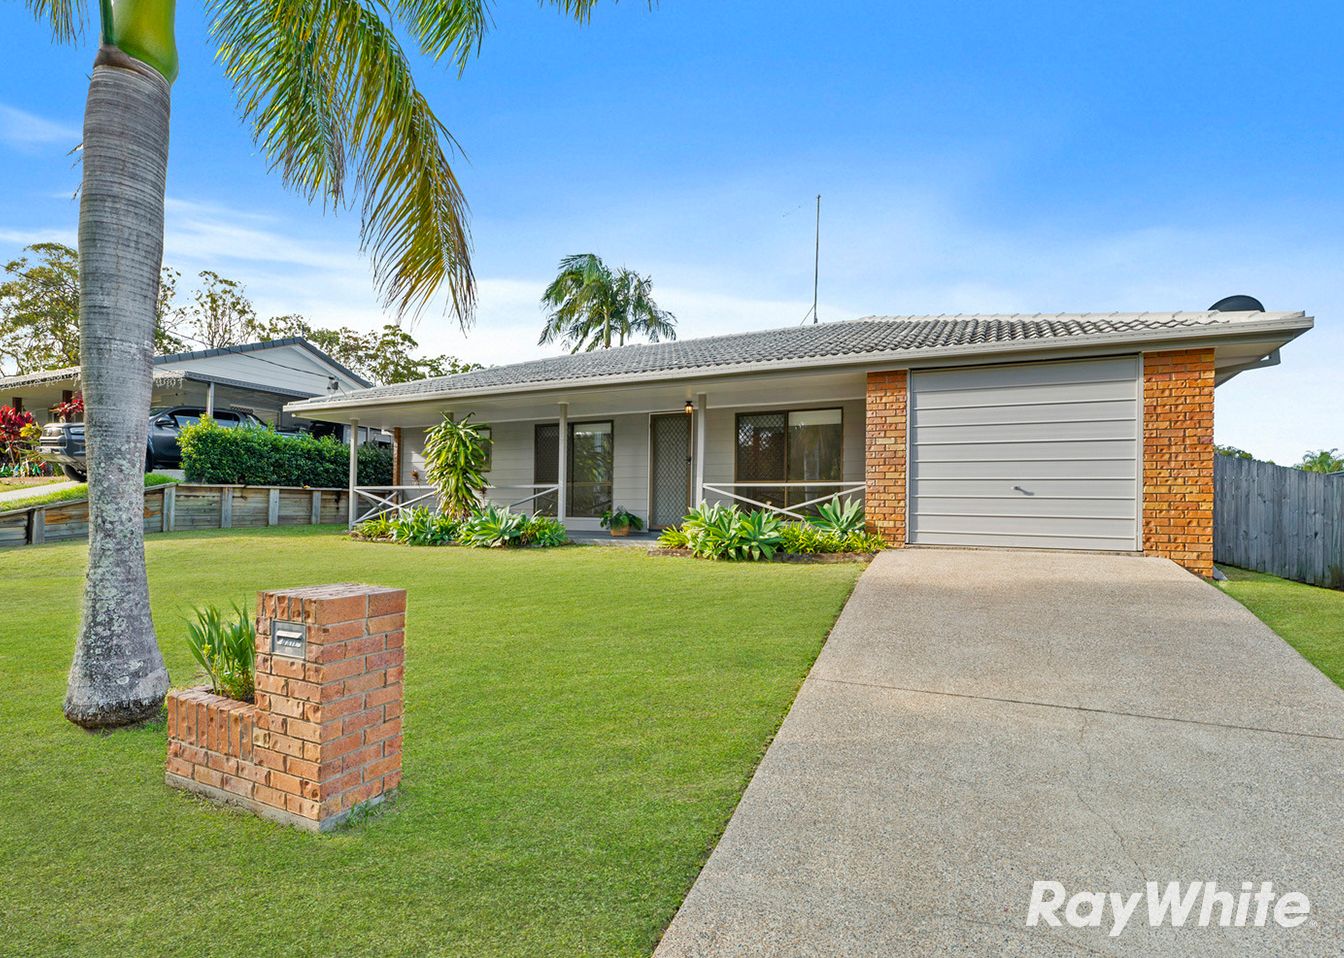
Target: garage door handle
(1021, 490)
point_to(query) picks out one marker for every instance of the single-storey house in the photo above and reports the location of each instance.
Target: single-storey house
(1075, 431)
(259, 378)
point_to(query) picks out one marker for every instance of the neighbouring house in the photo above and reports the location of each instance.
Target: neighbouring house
(1075, 431)
(259, 378)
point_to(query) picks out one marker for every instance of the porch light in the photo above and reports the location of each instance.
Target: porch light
(690, 407)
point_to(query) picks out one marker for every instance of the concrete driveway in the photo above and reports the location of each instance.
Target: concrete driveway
(979, 721)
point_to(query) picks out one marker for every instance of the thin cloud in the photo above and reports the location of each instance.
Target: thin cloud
(29, 132)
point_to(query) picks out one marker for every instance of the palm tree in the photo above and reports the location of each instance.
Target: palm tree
(589, 302)
(328, 91)
(1322, 460)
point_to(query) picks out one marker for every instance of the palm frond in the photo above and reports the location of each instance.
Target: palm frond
(327, 88)
(65, 17)
(455, 28)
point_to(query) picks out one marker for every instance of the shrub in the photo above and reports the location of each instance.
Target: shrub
(15, 448)
(420, 527)
(544, 531)
(862, 542)
(674, 537)
(263, 457)
(456, 454)
(493, 527)
(226, 650)
(374, 530)
(803, 538)
(724, 532)
(839, 518)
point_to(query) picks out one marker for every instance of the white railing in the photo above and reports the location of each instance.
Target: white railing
(388, 500)
(838, 489)
(383, 500)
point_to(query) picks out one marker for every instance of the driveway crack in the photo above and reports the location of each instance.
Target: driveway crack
(1079, 794)
(1077, 708)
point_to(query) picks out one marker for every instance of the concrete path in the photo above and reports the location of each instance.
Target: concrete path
(15, 493)
(982, 720)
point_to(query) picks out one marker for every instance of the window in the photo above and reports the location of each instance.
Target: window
(488, 436)
(591, 463)
(799, 446)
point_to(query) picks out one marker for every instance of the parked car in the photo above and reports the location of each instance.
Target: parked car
(63, 442)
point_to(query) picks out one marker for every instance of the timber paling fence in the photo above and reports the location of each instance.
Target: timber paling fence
(1279, 520)
(183, 505)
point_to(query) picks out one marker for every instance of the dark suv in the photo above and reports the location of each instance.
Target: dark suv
(63, 442)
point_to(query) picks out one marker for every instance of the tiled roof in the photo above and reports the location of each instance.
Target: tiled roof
(828, 343)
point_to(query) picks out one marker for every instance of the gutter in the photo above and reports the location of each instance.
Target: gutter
(901, 359)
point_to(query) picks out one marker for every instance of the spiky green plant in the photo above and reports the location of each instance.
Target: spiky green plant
(839, 518)
(456, 453)
(226, 650)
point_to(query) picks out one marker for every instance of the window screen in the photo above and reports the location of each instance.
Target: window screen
(591, 463)
(799, 446)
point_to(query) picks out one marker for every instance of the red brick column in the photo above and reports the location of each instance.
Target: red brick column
(884, 467)
(324, 735)
(1178, 457)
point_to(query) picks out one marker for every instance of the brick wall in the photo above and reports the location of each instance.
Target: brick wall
(324, 735)
(1178, 457)
(885, 455)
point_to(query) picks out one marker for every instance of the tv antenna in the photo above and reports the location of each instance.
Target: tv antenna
(816, 267)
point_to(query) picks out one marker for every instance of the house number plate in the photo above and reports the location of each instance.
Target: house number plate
(289, 639)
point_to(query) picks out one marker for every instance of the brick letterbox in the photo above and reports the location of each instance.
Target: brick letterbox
(324, 735)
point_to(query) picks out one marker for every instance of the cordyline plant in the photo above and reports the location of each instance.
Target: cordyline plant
(456, 453)
(328, 92)
(12, 441)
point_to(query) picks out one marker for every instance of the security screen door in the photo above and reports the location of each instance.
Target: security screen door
(670, 447)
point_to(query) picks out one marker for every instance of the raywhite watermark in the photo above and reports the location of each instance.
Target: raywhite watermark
(1175, 904)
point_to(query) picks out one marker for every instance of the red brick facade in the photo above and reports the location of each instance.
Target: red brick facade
(324, 735)
(1178, 457)
(885, 455)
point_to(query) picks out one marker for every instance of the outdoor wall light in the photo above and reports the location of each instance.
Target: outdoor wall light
(690, 407)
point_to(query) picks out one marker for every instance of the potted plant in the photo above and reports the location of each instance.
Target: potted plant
(620, 521)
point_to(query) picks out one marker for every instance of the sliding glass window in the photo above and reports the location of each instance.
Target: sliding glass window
(591, 464)
(805, 445)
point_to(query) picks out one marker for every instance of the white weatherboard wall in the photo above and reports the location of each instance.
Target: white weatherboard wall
(1041, 455)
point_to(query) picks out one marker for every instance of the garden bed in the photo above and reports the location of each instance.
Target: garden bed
(798, 557)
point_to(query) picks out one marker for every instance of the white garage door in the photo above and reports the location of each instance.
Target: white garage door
(1041, 455)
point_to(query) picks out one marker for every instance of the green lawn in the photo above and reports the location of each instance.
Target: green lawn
(1310, 619)
(579, 725)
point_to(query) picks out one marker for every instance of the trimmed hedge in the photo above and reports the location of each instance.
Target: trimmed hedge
(262, 457)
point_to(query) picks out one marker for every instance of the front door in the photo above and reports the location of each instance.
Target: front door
(546, 465)
(670, 469)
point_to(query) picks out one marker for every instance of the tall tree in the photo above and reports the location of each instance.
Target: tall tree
(385, 356)
(589, 305)
(220, 313)
(39, 310)
(329, 93)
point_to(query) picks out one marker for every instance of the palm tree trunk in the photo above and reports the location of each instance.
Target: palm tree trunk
(118, 676)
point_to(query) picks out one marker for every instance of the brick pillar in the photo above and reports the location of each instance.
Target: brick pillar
(884, 467)
(324, 735)
(1178, 457)
(396, 456)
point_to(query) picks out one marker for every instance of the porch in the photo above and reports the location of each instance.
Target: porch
(783, 443)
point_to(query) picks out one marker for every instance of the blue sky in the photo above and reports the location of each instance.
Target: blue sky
(972, 157)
